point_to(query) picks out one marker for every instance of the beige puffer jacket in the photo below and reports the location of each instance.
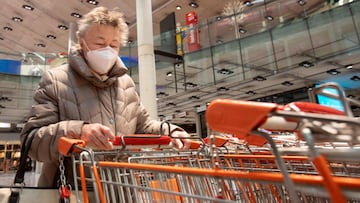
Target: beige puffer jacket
(70, 95)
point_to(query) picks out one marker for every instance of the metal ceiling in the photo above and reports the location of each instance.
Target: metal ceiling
(47, 16)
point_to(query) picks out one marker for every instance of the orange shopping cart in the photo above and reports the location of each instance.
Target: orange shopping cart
(317, 167)
(327, 137)
(170, 176)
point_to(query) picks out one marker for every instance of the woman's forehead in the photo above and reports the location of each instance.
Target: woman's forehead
(105, 32)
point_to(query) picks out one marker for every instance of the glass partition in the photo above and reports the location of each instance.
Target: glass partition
(227, 62)
(257, 54)
(332, 32)
(198, 69)
(291, 44)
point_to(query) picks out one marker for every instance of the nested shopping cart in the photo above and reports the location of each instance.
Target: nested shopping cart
(328, 138)
(193, 176)
(322, 165)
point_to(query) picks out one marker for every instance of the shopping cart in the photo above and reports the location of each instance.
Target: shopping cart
(191, 176)
(320, 128)
(214, 172)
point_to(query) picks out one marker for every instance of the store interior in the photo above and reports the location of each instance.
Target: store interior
(271, 51)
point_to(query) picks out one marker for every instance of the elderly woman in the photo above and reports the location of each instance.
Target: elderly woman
(90, 98)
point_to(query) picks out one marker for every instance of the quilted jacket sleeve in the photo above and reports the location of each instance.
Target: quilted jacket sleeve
(43, 122)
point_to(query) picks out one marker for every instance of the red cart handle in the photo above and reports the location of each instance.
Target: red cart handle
(141, 139)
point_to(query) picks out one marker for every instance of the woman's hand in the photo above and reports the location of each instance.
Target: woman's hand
(97, 136)
(179, 139)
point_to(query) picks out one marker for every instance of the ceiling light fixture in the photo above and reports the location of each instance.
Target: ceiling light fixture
(248, 3)
(162, 94)
(194, 97)
(306, 64)
(223, 89)
(171, 104)
(50, 36)
(287, 83)
(219, 41)
(301, 2)
(42, 45)
(76, 15)
(93, 2)
(5, 99)
(242, 30)
(251, 93)
(349, 66)
(28, 7)
(130, 42)
(7, 28)
(189, 84)
(355, 78)
(269, 18)
(63, 27)
(218, 18)
(333, 72)
(259, 78)
(225, 71)
(178, 7)
(17, 19)
(193, 4)
(169, 74)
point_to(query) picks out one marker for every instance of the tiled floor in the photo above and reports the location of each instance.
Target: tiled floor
(30, 178)
(7, 179)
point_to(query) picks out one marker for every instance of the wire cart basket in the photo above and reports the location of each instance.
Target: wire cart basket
(299, 152)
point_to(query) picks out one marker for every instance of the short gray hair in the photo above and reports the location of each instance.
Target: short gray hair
(104, 16)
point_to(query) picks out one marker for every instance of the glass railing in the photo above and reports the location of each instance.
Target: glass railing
(231, 53)
(270, 50)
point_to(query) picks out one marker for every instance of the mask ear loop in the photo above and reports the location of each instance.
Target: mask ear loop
(86, 45)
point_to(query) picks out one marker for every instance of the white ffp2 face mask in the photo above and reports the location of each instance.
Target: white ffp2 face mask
(101, 60)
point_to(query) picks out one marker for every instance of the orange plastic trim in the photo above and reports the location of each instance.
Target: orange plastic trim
(236, 116)
(255, 140)
(193, 144)
(333, 189)
(219, 141)
(83, 183)
(65, 145)
(98, 185)
(346, 182)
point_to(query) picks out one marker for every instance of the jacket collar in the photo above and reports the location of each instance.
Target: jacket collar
(79, 65)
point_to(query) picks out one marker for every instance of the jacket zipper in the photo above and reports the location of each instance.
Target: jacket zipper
(113, 110)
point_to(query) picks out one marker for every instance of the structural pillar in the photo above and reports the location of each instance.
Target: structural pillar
(147, 73)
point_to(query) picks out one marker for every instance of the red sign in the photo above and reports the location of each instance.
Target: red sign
(193, 32)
